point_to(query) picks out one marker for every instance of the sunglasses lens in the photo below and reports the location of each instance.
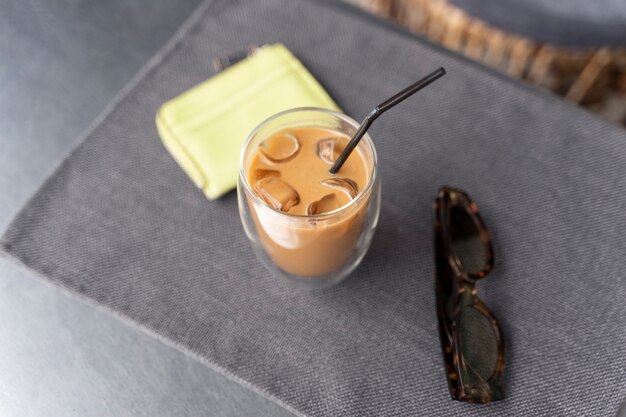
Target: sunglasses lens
(479, 347)
(467, 244)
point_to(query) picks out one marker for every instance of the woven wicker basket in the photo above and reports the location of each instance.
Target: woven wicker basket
(593, 77)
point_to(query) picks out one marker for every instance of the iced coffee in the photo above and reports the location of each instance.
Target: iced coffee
(309, 222)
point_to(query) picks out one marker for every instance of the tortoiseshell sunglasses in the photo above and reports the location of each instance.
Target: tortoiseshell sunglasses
(471, 338)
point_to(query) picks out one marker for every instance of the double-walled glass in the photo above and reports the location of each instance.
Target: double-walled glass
(314, 250)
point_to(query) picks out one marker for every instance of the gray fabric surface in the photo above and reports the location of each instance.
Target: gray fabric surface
(60, 357)
(120, 224)
(567, 22)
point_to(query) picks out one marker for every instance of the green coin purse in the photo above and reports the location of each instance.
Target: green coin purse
(205, 127)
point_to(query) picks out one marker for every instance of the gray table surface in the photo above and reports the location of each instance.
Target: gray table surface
(566, 22)
(61, 62)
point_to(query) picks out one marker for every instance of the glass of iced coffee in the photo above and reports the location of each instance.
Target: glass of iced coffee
(305, 224)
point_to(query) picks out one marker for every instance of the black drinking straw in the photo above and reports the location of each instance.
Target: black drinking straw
(380, 109)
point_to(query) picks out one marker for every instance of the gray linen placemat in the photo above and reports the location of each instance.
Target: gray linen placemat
(120, 224)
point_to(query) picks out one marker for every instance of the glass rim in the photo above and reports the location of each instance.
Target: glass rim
(341, 116)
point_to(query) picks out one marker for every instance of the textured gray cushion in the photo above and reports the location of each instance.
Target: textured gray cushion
(567, 22)
(120, 224)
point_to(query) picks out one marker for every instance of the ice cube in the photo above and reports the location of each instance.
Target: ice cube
(324, 205)
(277, 193)
(329, 149)
(261, 173)
(280, 148)
(346, 185)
